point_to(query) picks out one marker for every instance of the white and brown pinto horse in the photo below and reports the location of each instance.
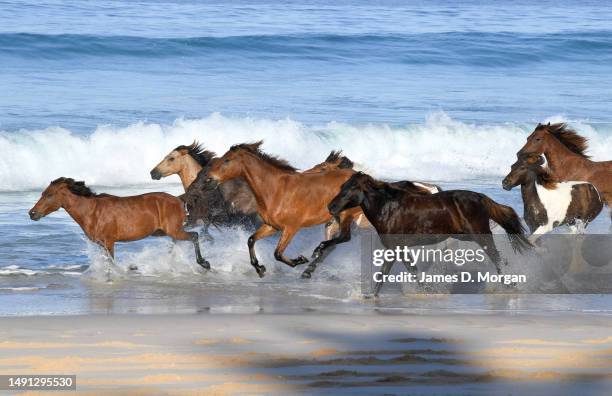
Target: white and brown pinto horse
(566, 157)
(548, 203)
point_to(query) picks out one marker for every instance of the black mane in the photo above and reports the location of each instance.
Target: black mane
(198, 153)
(343, 161)
(76, 187)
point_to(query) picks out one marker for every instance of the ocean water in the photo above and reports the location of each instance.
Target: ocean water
(435, 91)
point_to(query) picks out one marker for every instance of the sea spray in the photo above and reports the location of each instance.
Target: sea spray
(440, 149)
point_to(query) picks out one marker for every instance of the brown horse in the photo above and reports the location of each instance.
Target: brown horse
(201, 187)
(565, 152)
(232, 204)
(430, 218)
(287, 200)
(107, 219)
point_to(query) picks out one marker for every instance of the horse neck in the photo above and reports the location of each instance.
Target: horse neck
(189, 172)
(557, 157)
(80, 209)
(529, 191)
(372, 205)
(260, 177)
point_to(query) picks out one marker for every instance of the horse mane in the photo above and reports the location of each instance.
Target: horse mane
(386, 188)
(343, 161)
(569, 137)
(76, 187)
(255, 148)
(546, 178)
(198, 153)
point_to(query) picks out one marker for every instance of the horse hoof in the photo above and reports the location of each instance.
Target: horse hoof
(261, 271)
(306, 275)
(300, 260)
(205, 264)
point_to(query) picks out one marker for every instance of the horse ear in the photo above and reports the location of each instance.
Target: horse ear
(345, 163)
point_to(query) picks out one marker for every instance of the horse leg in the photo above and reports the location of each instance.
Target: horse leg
(331, 229)
(386, 268)
(326, 247)
(109, 246)
(488, 244)
(206, 234)
(196, 245)
(286, 237)
(263, 231)
(182, 235)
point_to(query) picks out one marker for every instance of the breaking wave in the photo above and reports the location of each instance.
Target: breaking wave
(439, 149)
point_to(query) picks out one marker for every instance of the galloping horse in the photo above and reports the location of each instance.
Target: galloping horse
(565, 153)
(287, 200)
(232, 204)
(548, 203)
(432, 218)
(107, 219)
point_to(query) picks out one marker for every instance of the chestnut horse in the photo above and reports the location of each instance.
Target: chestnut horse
(431, 218)
(287, 200)
(107, 219)
(565, 152)
(232, 204)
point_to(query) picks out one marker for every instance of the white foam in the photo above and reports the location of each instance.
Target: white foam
(440, 149)
(10, 270)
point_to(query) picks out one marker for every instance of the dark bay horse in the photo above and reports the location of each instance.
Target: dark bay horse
(231, 204)
(107, 219)
(549, 203)
(565, 152)
(431, 217)
(287, 200)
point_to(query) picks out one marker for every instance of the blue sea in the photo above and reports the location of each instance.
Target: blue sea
(439, 91)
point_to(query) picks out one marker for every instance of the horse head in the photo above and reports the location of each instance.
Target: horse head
(519, 171)
(55, 195)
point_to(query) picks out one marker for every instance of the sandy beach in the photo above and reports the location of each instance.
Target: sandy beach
(314, 353)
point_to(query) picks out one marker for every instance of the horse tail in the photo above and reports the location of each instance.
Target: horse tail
(506, 217)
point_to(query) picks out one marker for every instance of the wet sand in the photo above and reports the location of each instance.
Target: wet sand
(316, 353)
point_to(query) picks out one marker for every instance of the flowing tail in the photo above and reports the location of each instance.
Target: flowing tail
(506, 217)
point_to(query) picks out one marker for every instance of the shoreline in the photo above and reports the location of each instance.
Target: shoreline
(494, 353)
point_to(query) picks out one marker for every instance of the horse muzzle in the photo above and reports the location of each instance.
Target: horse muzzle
(212, 181)
(155, 174)
(34, 215)
(506, 185)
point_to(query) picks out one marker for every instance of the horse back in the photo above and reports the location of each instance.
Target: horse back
(586, 202)
(135, 217)
(303, 198)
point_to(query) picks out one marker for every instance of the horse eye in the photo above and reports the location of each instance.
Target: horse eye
(171, 159)
(226, 161)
